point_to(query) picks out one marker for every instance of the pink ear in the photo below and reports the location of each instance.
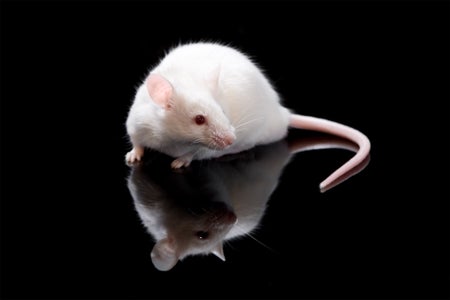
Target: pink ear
(164, 256)
(159, 89)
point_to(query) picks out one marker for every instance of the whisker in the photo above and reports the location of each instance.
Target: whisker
(246, 123)
(197, 141)
(253, 238)
(210, 144)
(229, 244)
(196, 151)
(245, 114)
(192, 212)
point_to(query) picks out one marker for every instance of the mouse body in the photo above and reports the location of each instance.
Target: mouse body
(205, 100)
(215, 202)
(198, 211)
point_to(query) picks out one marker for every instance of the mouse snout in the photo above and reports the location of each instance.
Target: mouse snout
(229, 139)
(224, 140)
(223, 213)
(229, 218)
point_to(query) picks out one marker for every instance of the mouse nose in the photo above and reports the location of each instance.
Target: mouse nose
(227, 217)
(223, 213)
(230, 218)
(223, 140)
(229, 139)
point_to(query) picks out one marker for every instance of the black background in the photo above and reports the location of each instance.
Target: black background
(69, 73)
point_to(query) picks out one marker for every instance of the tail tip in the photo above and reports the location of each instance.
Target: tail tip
(323, 188)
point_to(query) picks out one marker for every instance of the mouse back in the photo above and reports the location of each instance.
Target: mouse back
(226, 89)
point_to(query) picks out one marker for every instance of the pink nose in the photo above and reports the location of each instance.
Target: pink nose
(230, 218)
(229, 139)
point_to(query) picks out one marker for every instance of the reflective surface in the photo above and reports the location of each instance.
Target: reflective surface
(196, 210)
(78, 223)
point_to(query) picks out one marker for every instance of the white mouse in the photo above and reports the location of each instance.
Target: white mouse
(212, 203)
(206, 100)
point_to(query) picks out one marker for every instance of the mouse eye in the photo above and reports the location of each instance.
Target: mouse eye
(199, 119)
(202, 235)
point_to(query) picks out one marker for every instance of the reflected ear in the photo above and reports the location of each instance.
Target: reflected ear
(163, 255)
(218, 251)
(160, 90)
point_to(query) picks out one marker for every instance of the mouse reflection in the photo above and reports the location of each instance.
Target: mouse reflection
(194, 211)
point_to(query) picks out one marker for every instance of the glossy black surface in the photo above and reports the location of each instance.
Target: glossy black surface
(69, 226)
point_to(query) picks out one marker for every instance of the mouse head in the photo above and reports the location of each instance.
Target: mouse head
(189, 116)
(199, 234)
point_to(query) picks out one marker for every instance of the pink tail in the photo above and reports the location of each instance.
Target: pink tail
(337, 129)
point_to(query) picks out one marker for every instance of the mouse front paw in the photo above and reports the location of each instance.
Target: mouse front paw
(134, 155)
(183, 161)
(131, 158)
(180, 162)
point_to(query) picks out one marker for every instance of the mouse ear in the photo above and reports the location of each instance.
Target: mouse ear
(159, 89)
(213, 78)
(163, 255)
(218, 251)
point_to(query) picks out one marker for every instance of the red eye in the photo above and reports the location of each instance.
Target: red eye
(202, 235)
(200, 120)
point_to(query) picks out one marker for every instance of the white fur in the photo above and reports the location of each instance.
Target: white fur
(242, 108)
(240, 185)
(215, 80)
